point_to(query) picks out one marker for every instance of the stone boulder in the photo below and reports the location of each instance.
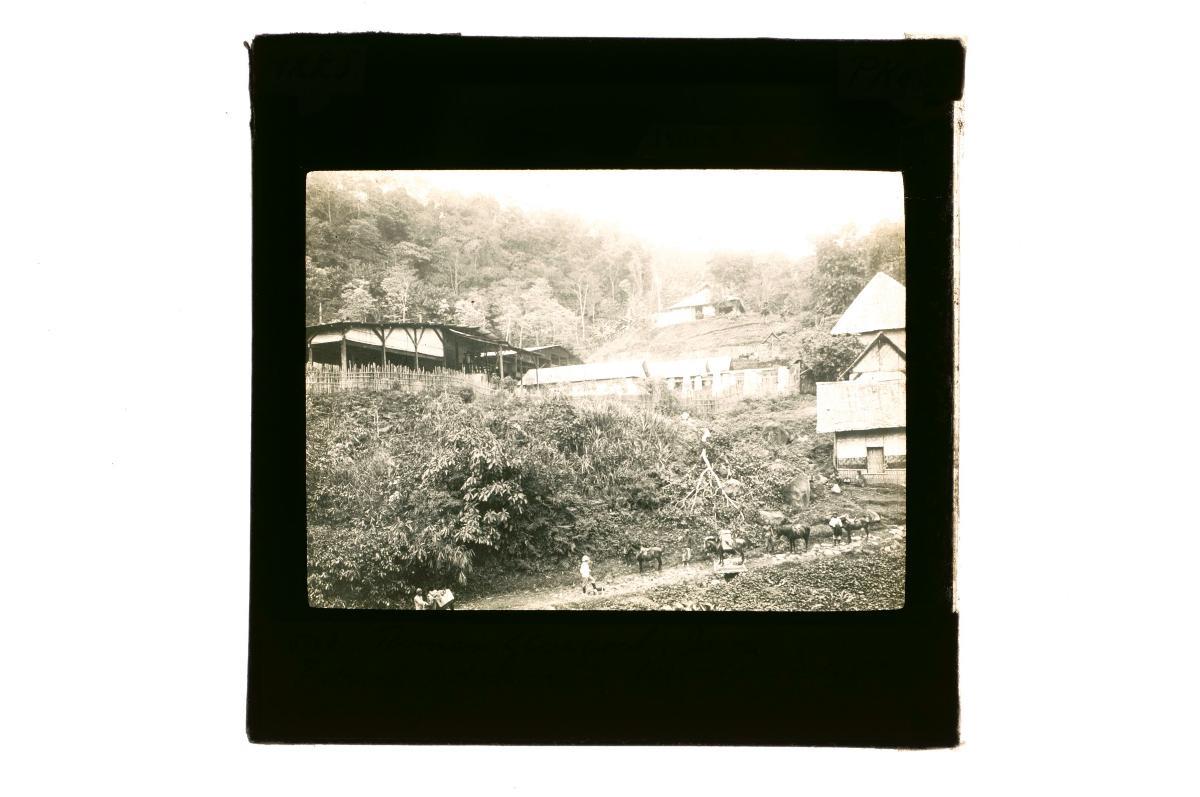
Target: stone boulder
(776, 434)
(800, 491)
(770, 517)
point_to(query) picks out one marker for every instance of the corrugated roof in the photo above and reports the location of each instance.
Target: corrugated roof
(701, 297)
(622, 369)
(470, 333)
(857, 405)
(880, 305)
(695, 367)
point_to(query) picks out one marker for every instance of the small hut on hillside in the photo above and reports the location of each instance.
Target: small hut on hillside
(698, 306)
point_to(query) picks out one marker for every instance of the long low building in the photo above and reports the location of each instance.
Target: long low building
(585, 372)
(627, 369)
(415, 344)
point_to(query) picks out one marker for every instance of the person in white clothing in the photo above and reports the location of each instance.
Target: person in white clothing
(585, 574)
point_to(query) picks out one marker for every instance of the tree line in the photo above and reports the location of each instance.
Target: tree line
(376, 253)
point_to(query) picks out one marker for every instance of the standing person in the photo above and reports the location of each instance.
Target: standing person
(585, 572)
(687, 555)
(419, 601)
(835, 524)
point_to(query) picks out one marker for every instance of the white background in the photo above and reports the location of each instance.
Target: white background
(126, 254)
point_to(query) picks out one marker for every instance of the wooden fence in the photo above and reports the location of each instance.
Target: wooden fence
(322, 378)
(702, 393)
(722, 387)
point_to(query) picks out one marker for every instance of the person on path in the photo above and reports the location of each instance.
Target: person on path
(585, 573)
(835, 524)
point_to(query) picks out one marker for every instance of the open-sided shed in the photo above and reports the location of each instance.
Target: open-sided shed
(411, 343)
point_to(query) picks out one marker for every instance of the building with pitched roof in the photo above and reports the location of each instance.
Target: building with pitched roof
(866, 410)
(879, 307)
(698, 306)
(867, 420)
(882, 359)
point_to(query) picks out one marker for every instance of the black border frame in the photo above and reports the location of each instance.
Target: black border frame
(884, 679)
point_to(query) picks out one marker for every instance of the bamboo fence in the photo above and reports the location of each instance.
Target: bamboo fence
(322, 378)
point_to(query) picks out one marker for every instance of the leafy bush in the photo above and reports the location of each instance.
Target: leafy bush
(827, 355)
(423, 490)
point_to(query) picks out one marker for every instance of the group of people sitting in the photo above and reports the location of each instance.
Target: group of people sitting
(835, 481)
(435, 599)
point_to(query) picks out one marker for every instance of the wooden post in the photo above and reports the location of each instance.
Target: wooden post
(500, 361)
(309, 346)
(343, 351)
(383, 336)
(416, 347)
(408, 333)
(445, 349)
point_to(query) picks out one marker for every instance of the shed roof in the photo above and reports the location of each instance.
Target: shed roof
(556, 349)
(692, 367)
(469, 333)
(621, 369)
(700, 297)
(854, 406)
(879, 305)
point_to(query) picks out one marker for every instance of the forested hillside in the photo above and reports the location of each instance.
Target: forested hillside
(375, 251)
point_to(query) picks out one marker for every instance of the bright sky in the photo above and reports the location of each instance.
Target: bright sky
(760, 211)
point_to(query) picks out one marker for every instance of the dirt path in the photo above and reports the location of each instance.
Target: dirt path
(632, 583)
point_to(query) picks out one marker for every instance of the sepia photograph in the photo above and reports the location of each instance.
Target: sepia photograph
(679, 390)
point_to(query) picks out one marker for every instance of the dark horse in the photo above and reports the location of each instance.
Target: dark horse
(861, 523)
(791, 534)
(644, 556)
(712, 545)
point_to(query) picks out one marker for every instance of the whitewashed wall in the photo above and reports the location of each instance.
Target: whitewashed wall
(669, 318)
(855, 444)
(881, 357)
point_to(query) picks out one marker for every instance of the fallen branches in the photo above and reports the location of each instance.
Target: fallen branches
(708, 484)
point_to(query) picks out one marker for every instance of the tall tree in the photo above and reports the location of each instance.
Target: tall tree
(400, 288)
(844, 263)
(358, 304)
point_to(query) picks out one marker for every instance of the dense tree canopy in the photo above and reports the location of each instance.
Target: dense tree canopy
(374, 252)
(845, 262)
